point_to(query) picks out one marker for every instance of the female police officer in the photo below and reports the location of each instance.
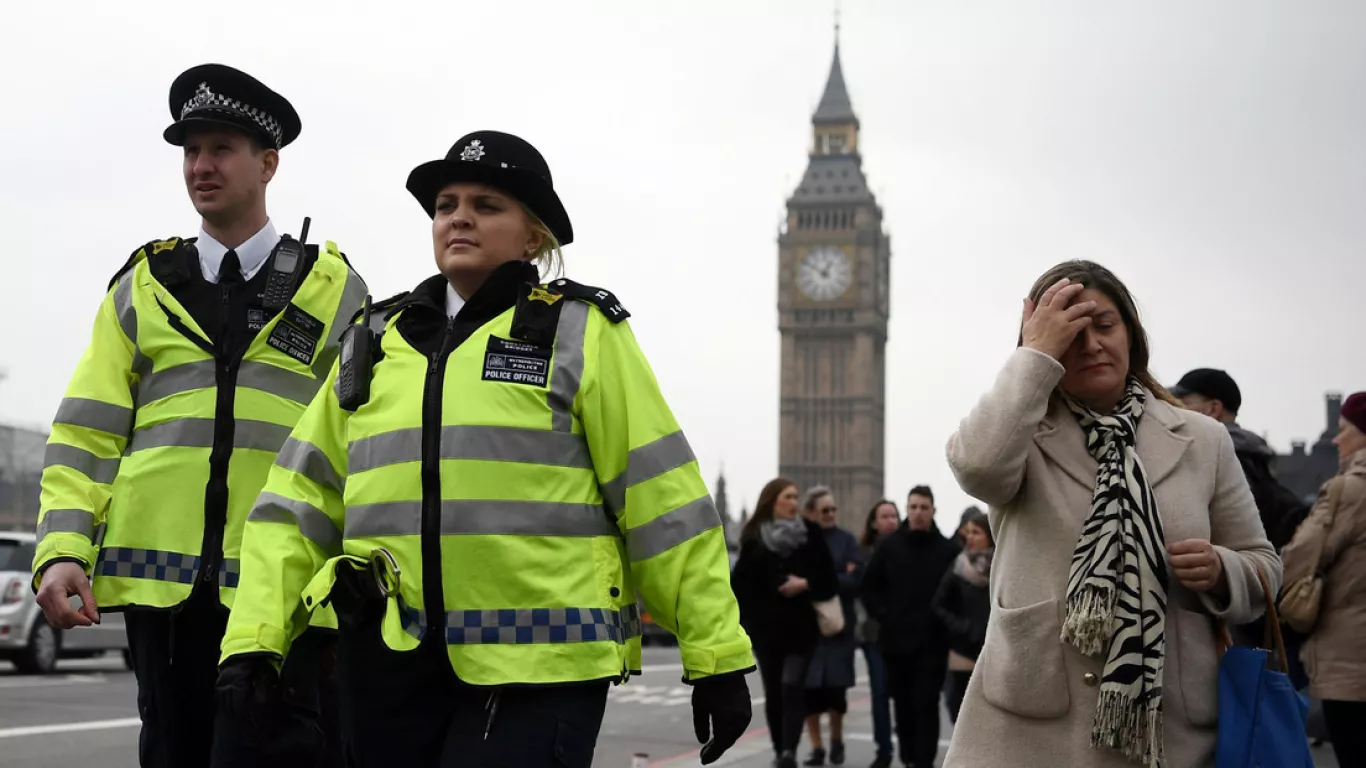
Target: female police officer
(483, 514)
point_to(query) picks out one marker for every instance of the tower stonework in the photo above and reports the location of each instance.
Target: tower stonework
(833, 304)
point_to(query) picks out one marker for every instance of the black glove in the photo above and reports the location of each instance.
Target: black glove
(720, 706)
(248, 692)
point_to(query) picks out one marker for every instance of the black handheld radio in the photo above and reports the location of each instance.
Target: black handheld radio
(357, 358)
(287, 260)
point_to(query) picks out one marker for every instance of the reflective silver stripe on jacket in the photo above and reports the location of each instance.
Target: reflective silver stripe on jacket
(471, 442)
(460, 517)
(81, 460)
(96, 415)
(352, 299)
(129, 563)
(198, 433)
(671, 529)
(310, 461)
(67, 521)
(312, 522)
(526, 626)
(568, 373)
(202, 374)
(123, 307)
(646, 463)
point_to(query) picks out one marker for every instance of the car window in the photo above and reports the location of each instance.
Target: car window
(15, 555)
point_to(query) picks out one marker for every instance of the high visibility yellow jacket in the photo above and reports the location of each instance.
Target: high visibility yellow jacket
(550, 473)
(157, 434)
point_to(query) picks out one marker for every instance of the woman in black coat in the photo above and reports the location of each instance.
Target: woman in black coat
(963, 603)
(784, 565)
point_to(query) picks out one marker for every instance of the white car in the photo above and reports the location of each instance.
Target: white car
(25, 637)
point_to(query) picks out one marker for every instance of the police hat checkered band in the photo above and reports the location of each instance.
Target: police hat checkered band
(206, 100)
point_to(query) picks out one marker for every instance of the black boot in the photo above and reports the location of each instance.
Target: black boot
(817, 757)
(882, 761)
(837, 753)
(786, 759)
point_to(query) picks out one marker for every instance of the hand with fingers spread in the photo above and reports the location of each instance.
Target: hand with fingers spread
(1051, 326)
(1196, 565)
(59, 582)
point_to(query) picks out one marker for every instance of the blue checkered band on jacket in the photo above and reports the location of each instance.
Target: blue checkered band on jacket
(155, 564)
(523, 626)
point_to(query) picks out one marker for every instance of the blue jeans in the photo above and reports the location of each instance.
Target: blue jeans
(882, 710)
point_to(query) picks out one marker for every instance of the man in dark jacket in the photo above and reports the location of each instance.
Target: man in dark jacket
(898, 591)
(1214, 393)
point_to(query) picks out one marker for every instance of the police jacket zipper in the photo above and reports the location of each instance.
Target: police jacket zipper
(434, 598)
(220, 455)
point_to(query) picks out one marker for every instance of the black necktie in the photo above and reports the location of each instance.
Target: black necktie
(230, 272)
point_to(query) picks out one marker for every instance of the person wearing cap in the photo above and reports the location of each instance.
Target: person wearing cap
(1331, 546)
(483, 521)
(1214, 393)
(204, 354)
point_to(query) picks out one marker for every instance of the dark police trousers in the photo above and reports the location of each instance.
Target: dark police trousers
(175, 659)
(409, 709)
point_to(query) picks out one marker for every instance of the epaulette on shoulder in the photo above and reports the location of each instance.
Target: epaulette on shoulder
(380, 309)
(146, 251)
(601, 298)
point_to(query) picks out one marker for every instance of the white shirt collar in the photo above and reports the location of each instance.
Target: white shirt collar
(251, 254)
(453, 301)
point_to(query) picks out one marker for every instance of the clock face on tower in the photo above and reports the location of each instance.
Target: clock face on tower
(825, 273)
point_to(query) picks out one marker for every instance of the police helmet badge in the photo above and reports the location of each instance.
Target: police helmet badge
(473, 151)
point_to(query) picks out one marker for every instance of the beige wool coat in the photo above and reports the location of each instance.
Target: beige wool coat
(1332, 655)
(1032, 698)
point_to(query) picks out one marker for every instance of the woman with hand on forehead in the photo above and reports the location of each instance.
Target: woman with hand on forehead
(1123, 526)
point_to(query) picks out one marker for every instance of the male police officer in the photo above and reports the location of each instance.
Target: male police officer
(203, 356)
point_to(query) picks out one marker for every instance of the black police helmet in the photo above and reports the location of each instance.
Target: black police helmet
(499, 160)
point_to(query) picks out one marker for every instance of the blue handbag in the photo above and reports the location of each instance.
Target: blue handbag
(1261, 716)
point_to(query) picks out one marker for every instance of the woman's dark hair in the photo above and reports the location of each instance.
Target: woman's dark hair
(1093, 275)
(980, 519)
(763, 510)
(869, 536)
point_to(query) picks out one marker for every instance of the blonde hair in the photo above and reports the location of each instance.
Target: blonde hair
(548, 255)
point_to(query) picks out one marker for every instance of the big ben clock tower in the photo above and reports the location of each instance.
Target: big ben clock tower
(833, 269)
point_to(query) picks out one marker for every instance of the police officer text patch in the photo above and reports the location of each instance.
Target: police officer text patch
(297, 334)
(516, 362)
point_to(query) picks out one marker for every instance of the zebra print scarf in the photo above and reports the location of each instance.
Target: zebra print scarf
(1117, 585)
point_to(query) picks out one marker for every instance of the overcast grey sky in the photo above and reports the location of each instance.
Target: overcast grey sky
(1212, 153)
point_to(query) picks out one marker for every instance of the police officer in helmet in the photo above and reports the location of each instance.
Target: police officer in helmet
(482, 490)
(204, 354)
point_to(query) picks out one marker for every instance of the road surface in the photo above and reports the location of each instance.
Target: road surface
(85, 715)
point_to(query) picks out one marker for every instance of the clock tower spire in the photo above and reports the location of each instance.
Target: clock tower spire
(833, 306)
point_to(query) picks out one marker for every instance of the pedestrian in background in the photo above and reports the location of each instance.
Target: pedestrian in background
(898, 591)
(1100, 484)
(881, 522)
(783, 567)
(963, 603)
(1331, 543)
(831, 673)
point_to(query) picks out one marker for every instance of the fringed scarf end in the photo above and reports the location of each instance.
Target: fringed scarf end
(1132, 727)
(1089, 621)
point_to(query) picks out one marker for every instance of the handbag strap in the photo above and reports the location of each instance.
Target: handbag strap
(1272, 637)
(1273, 622)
